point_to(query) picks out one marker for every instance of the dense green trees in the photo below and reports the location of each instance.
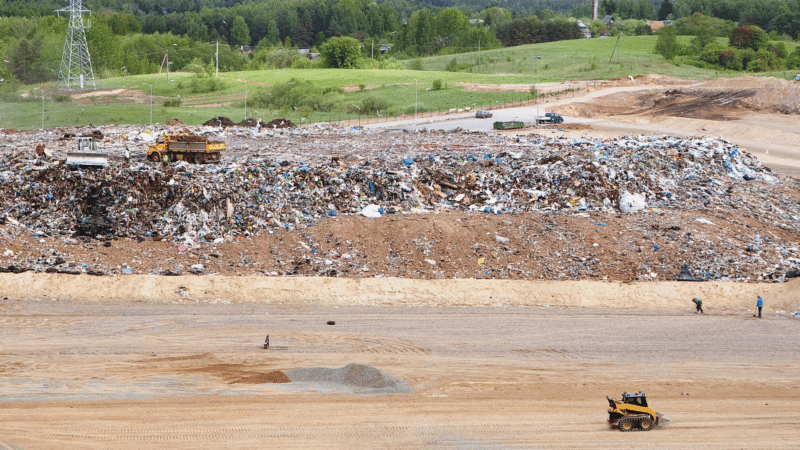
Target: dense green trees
(341, 52)
(531, 30)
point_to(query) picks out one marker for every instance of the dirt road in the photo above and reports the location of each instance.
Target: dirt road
(132, 375)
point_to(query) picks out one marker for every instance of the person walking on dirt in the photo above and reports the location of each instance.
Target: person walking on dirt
(165, 160)
(699, 304)
(760, 304)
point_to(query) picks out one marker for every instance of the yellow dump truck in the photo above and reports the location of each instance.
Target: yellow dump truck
(185, 147)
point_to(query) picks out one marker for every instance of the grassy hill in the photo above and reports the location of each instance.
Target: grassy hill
(402, 90)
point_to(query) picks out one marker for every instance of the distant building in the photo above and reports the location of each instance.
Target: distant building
(475, 21)
(303, 51)
(608, 20)
(655, 24)
(584, 29)
(385, 48)
(246, 49)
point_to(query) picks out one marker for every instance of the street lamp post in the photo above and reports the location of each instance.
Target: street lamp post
(359, 116)
(537, 90)
(416, 102)
(42, 90)
(151, 103)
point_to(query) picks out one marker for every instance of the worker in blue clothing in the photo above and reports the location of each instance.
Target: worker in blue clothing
(760, 304)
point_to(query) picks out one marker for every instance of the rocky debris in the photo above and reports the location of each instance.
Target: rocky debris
(358, 377)
(743, 225)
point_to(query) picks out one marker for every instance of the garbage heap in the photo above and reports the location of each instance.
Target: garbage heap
(534, 175)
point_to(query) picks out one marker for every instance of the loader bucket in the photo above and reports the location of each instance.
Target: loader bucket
(87, 159)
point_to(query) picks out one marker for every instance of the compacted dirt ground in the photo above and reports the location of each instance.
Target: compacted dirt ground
(127, 375)
(476, 355)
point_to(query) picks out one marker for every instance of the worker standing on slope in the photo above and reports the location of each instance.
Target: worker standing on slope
(699, 304)
(760, 304)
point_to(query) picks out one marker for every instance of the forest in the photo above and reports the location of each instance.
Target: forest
(143, 36)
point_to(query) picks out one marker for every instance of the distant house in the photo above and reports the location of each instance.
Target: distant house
(608, 20)
(669, 22)
(246, 49)
(655, 24)
(475, 21)
(385, 48)
(584, 29)
(307, 53)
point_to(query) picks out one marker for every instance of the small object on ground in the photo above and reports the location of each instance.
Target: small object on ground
(632, 413)
(481, 114)
(266, 342)
(331, 322)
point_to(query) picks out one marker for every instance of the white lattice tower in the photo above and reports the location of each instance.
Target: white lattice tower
(76, 65)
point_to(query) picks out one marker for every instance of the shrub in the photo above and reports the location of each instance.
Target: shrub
(751, 37)
(764, 61)
(415, 64)
(373, 105)
(173, 102)
(437, 85)
(302, 63)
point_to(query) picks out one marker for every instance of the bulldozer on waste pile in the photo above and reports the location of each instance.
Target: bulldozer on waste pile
(87, 153)
(632, 413)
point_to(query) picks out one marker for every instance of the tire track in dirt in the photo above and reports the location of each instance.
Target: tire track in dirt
(487, 431)
(364, 344)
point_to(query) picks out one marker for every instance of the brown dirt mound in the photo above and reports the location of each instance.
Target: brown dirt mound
(224, 122)
(280, 123)
(780, 97)
(174, 122)
(743, 82)
(275, 376)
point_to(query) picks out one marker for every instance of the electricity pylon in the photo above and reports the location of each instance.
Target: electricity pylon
(76, 65)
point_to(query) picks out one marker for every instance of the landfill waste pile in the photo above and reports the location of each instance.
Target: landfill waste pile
(300, 202)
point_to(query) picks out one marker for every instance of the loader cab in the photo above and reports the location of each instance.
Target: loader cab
(160, 139)
(639, 399)
(87, 144)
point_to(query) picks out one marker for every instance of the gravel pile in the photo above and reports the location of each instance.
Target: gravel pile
(362, 378)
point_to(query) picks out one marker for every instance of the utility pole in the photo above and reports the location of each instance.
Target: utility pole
(76, 65)
(537, 90)
(216, 72)
(416, 102)
(479, 52)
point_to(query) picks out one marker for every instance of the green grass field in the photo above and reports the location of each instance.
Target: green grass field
(402, 89)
